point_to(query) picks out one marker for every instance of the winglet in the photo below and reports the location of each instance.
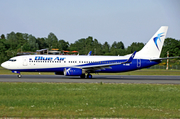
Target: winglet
(89, 54)
(131, 58)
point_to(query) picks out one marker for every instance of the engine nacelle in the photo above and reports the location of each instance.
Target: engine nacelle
(72, 72)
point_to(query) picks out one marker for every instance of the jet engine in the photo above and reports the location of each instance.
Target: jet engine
(72, 72)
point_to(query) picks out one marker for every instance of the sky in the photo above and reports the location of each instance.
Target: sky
(105, 20)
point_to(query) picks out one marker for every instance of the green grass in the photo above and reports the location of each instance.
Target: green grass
(89, 100)
(137, 72)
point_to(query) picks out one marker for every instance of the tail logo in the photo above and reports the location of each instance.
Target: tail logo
(158, 38)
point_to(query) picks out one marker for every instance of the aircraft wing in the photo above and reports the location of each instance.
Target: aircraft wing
(106, 66)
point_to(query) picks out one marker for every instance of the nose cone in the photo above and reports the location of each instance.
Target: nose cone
(4, 65)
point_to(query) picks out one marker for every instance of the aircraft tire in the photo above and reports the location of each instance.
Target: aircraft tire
(19, 76)
(89, 76)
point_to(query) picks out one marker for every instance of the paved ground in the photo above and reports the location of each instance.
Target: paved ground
(95, 79)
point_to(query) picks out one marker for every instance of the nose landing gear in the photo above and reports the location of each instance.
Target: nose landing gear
(17, 72)
(19, 75)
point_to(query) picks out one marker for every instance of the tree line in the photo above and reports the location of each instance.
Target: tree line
(13, 43)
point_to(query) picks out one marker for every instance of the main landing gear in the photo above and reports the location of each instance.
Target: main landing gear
(83, 76)
(89, 76)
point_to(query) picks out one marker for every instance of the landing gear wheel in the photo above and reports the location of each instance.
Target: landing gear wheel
(19, 76)
(83, 76)
(89, 76)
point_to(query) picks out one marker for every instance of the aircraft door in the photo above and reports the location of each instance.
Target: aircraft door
(25, 61)
(138, 63)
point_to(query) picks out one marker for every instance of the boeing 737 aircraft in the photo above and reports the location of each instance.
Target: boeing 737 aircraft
(84, 65)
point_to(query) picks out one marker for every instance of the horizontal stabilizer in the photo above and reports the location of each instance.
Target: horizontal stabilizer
(164, 58)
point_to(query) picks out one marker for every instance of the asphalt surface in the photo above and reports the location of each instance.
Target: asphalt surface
(95, 79)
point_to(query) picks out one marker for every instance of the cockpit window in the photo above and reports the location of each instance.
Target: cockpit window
(12, 60)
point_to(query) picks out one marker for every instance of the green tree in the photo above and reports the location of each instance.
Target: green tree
(106, 48)
(97, 47)
(89, 44)
(63, 45)
(20, 39)
(12, 41)
(84, 45)
(31, 44)
(2, 36)
(134, 47)
(173, 46)
(79, 45)
(117, 48)
(52, 41)
(42, 43)
(3, 56)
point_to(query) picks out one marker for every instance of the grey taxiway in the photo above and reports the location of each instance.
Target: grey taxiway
(95, 79)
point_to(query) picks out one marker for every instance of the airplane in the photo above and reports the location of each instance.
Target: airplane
(84, 65)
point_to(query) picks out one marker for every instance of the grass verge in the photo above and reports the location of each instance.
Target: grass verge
(89, 100)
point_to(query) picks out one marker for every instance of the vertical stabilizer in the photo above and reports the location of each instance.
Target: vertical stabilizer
(154, 46)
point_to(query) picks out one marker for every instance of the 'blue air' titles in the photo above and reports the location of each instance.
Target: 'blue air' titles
(49, 58)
